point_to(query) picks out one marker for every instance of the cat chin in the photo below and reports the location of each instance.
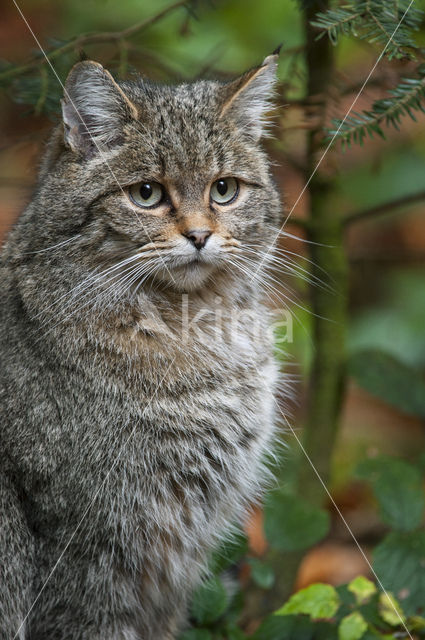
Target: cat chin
(189, 277)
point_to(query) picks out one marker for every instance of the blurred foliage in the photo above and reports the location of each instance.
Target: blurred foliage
(358, 610)
(386, 377)
(292, 524)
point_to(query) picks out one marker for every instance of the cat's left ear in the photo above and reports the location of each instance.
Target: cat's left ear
(94, 109)
(247, 99)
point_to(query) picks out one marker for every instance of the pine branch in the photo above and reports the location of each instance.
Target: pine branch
(337, 22)
(382, 22)
(10, 72)
(404, 100)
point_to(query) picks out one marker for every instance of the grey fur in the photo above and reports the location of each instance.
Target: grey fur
(128, 447)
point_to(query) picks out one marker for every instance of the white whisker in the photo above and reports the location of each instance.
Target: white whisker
(54, 246)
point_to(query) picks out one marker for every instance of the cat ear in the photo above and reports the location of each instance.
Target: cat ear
(248, 98)
(94, 109)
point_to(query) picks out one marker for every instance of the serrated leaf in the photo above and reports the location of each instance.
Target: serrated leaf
(292, 524)
(362, 588)
(384, 376)
(397, 486)
(209, 601)
(390, 610)
(352, 627)
(261, 573)
(318, 601)
(399, 561)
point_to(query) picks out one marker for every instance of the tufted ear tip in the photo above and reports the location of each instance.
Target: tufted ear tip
(271, 62)
(247, 99)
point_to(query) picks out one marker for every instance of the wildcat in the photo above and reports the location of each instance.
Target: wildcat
(129, 446)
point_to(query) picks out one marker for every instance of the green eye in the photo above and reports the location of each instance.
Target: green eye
(146, 194)
(224, 190)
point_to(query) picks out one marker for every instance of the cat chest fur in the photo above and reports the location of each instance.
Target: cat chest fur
(177, 456)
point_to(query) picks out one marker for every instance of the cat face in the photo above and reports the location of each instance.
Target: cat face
(176, 177)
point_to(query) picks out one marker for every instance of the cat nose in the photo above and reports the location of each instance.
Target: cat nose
(198, 237)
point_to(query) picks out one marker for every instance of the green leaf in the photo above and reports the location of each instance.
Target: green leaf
(387, 378)
(276, 627)
(324, 631)
(362, 588)
(261, 573)
(234, 633)
(417, 623)
(236, 605)
(317, 600)
(292, 524)
(397, 486)
(294, 628)
(390, 610)
(347, 599)
(196, 634)
(352, 627)
(228, 553)
(209, 602)
(399, 561)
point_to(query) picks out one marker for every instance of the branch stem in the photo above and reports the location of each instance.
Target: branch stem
(381, 209)
(325, 230)
(87, 39)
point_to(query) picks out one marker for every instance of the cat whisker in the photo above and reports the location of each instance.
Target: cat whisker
(261, 277)
(87, 281)
(54, 246)
(281, 232)
(95, 302)
(117, 279)
(278, 294)
(292, 267)
(268, 290)
(281, 250)
(86, 292)
(136, 275)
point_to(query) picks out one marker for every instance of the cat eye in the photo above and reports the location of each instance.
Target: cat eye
(146, 194)
(224, 190)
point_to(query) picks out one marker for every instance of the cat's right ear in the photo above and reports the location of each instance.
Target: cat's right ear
(247, 99)
(94, 109)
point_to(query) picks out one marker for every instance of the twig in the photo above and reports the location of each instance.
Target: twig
(384, 208)
(86, 39)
